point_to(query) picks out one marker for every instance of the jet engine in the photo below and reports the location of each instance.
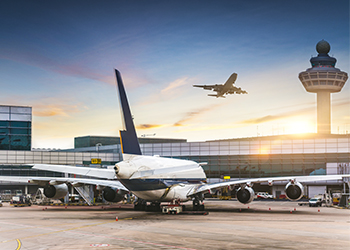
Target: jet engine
(294, 190)
(245, 195)
(56, 191)
(113, 194)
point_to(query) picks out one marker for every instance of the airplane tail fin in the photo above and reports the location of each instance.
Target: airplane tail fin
(128, 137)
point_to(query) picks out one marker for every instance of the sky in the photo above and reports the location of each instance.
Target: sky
(59, 58)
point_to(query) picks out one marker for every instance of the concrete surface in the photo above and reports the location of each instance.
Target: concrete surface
(229, 225)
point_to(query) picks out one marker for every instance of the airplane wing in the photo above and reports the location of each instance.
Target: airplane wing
(43, 181)
(207, 188)
(86, 171)
(216, 87)
(231, 80)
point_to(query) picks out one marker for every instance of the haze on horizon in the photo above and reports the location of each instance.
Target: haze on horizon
(59, 57)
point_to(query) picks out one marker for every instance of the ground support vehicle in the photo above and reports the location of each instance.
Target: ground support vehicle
(315, 202)
(320, 199)
(172, 209)
(20, 201)
(264, 195)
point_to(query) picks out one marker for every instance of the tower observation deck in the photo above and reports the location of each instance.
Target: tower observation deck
(323, 78)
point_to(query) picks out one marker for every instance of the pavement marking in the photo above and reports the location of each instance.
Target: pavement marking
(59, 231)
(97, 224)
(18, 244)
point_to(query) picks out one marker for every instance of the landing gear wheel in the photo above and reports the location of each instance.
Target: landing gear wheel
(197, 206)
(154, 207)
(140, 205)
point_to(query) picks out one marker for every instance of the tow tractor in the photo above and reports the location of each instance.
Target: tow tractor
(176, 208)
(20, 201)
(172, 209)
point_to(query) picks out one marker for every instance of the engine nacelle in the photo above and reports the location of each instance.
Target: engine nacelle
(113, 194)
(56, 191)
(245, 195)
(294, 190)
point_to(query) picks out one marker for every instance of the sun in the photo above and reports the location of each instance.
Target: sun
(299, 127)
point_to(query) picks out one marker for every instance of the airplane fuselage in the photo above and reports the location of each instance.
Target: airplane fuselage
(159, 179)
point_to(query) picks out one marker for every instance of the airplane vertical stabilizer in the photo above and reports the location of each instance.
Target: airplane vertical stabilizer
(128, 137)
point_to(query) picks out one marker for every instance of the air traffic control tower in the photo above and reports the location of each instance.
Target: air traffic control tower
(323, 78)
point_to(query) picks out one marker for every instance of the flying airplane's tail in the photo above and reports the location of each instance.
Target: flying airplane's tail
(128, 137)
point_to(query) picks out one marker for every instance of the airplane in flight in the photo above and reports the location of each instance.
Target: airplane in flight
(224, 89)
(155, 179)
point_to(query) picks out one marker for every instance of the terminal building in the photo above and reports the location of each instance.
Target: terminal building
(15, 128)
(283, 155)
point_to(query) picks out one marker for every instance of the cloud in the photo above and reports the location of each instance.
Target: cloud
(303, 111)
(56, 107)
(341, 102)
(175, 84)
(148, 126)
(43, 110)
(35, 58)
(263, 119)
(172, 91)
(194, 114)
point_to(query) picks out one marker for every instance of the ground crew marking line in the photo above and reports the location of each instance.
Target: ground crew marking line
(18, 244)
(97, 224)
(59, 231)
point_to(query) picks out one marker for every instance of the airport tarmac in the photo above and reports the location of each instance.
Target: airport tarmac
(229, 225)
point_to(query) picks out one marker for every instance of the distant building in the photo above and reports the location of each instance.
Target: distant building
(254, 157)
(15, 127)
(92, 141)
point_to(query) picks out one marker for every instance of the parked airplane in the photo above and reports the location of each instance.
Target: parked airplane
(157, 179)
(224, 89)
(57, 188)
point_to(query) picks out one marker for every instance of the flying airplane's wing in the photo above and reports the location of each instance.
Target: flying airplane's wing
(206, 188)
(231, 80)
(42, 181)
(216, 87)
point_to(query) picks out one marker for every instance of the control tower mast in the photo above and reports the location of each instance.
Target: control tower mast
(323, 78)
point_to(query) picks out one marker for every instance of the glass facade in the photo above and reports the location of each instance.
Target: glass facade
(92, 141)
(15, 128)
(237, 158)
(12, 162)
(260, 157)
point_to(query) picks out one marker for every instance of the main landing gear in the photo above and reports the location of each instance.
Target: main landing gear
(198, 204)
(141, 205)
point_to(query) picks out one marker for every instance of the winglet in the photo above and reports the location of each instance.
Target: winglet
(128, 137)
